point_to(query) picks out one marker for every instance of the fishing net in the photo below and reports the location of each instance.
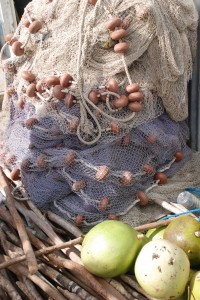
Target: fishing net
(83, 147)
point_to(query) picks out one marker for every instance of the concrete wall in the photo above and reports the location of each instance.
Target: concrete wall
(8, 20)
(8, 24)
(194, 96)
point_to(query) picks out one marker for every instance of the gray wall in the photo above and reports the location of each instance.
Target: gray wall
(194, 97)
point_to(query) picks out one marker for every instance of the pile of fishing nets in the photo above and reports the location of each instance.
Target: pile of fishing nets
(98, 102)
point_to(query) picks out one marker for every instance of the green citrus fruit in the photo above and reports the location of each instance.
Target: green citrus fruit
(110, 248)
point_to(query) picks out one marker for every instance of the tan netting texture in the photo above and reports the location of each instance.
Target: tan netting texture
(185, 178)
(85, 159)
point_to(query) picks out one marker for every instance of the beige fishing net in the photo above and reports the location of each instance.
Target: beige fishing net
(92, 156)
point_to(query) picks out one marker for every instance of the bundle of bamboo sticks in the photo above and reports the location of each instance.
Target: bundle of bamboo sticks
(40, 257)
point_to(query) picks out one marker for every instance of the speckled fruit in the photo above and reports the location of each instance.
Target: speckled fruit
(162, 270)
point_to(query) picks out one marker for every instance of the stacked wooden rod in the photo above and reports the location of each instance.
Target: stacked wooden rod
(40, 257)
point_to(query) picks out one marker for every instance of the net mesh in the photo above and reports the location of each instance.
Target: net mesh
(88, 160)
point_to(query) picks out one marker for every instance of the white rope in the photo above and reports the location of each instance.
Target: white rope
(108, 105)
(126, 69)
(155, 184)
(125, 120)
(168, 166)
(81, 40)
(28, 15)
(26, 42)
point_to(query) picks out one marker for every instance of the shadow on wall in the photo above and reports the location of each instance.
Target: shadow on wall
(1, 33)
(19, 5)
(194, 95)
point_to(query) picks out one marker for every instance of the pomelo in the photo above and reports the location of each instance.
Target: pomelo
(195, 287)
(184, 231)
(162, 270)
(156, 233)
(109, 248)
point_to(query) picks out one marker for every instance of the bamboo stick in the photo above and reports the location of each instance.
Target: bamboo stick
(89, 278)
(41, 252)
(48, 230)
(69, 227)
(21, 270)
(67, 294)
(32, 289)
(45, 279)
(11, 279)
(31, 260)
(113, 294)
(5, 215)
(80, 283)
(167, 206)
(38, 213)
(24, 289)
(7, 286)
(4, 225)
(65, 282)
(52, 292)
(12, 237)
(130, 280)
(32, 206)
(41, 235)
(3, 296)
(39, 222)
(153, 225)
(133, 292)
(10, 249)
(120, 288)
(60, 231)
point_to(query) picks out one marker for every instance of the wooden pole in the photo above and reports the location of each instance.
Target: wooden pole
(40, 252)
(28, 250)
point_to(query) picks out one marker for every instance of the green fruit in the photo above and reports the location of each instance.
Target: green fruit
(110, 248)
(156, 233)
(195, 287)
(184, 231)
(192, 272)
(185, 294)
(162, 270)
